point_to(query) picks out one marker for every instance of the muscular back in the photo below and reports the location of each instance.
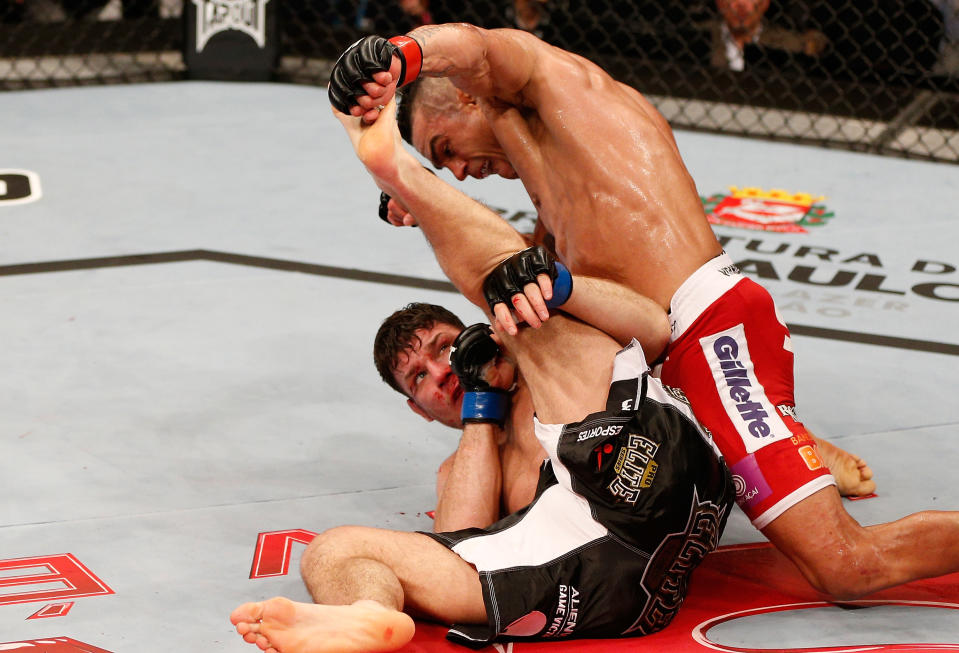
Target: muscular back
(603, 170)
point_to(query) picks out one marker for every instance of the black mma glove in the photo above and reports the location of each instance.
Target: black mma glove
(472, 351)
(367, 56)
(384, 210)
(384, 207)
(521, 268)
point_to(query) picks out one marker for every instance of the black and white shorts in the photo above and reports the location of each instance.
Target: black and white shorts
(628, 505)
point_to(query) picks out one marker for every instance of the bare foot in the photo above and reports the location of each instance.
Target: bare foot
(380, 148)
(853, 476)
(280, 625)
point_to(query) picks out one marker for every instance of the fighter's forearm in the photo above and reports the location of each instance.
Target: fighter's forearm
(470, 495)
(481, 62)
(621, 312)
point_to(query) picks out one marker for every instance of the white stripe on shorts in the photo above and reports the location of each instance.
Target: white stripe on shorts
(558, 523)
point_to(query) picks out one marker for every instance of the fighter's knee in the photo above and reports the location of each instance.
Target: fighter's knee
(326, 547)
(836, 587)
(845, 577)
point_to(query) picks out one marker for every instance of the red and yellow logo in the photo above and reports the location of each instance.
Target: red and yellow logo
(773, 210)
(811, 457)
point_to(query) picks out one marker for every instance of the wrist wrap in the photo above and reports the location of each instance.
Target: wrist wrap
(411, 57)
(485, 406)
(562, 286)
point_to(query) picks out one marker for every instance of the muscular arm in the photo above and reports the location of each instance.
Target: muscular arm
(483, 63)
(620, 312)
(469, 483)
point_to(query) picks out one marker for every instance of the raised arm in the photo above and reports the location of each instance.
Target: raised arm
(482, 63)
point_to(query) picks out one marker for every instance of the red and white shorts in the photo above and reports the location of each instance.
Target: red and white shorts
(730, 353)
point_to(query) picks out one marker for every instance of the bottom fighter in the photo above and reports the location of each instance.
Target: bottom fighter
(492, 474)
(631, 481)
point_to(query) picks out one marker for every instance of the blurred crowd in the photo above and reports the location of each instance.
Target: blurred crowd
(861, 37)
(918, 36)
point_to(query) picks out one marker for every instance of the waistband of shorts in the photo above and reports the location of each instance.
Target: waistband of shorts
(630, 362)
(711, 281)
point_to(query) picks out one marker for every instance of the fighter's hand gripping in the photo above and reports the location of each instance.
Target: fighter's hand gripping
(532, 282)
(394, 213)
(367, 74)
(471, 355)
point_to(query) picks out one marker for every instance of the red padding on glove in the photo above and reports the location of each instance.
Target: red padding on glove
(411, 54)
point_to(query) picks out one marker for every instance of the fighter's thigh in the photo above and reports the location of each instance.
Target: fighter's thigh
(736, 369)
(436, 582)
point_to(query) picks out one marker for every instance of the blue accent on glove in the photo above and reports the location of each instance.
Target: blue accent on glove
(562, 286)
(485, 406)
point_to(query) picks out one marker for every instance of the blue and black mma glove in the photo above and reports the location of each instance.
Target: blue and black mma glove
(511, 276)
(471, 353)
(370, 55)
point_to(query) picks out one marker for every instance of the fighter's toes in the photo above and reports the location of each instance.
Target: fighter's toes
(249, 613)
(854, 477)
(264, 644)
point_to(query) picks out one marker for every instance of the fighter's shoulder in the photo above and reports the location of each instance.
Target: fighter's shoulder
(557, 71)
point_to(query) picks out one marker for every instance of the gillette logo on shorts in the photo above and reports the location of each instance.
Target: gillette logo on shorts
(215, 16)
(743, 397)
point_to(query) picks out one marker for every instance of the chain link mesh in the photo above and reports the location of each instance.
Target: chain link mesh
(870, 75)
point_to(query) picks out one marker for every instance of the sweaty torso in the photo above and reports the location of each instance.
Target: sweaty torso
(604, 173)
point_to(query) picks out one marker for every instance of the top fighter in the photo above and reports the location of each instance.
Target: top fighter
(603, 169)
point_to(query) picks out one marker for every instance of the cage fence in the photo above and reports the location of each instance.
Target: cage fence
(878, 76)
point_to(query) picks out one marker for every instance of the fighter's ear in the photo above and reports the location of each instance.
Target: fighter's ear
(419, 411)
(463, 97)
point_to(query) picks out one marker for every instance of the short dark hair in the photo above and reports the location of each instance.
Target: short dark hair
(404, 111)
(397, 335)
